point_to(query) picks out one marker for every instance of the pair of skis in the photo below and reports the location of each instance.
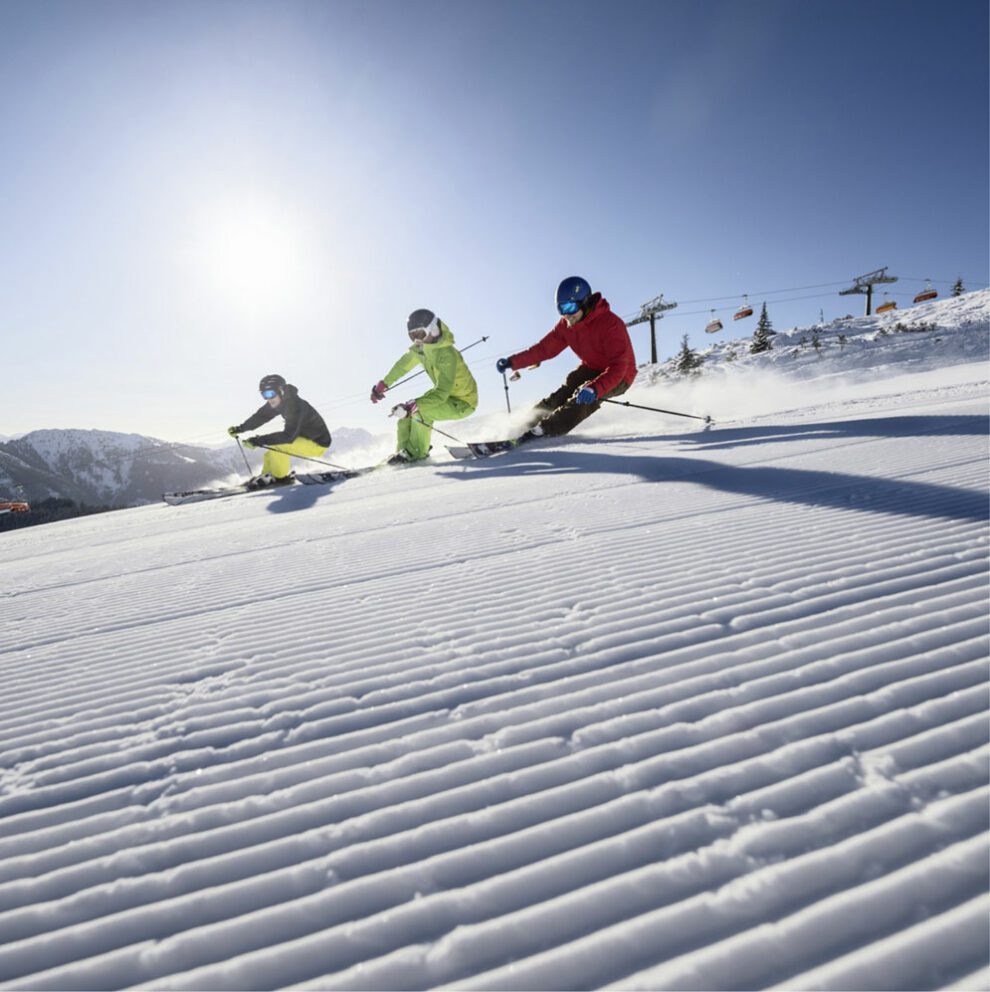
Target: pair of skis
(305, 479)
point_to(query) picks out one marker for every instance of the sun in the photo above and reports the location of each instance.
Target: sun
(251, 255)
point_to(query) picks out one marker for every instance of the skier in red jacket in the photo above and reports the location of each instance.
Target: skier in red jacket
(600, 339)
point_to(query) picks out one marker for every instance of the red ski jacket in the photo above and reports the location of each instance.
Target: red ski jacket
(600, 340)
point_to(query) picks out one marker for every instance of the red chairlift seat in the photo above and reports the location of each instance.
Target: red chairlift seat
(14, 506)
(928, 293)
(744, 311)
(714, 324)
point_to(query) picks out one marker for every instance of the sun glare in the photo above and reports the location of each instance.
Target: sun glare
(252, 257)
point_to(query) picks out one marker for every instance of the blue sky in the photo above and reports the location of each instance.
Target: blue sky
(195, 194)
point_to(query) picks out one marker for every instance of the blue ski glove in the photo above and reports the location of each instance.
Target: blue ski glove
(233, 431)
(251, 442)
(586, 396)
(504, 364)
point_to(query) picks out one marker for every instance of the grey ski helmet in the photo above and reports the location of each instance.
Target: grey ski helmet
(271, 384)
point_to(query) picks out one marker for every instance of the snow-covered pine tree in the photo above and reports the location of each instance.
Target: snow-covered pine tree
(688, 360)
(957, 289)
(763, 333)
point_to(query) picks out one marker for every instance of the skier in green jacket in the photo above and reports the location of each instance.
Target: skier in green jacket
(454, 394)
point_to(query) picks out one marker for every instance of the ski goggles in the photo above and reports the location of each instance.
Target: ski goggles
(269, 394)
(422, 333)
(568, 307)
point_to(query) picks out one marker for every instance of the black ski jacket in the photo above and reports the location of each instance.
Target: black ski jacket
(301, 420)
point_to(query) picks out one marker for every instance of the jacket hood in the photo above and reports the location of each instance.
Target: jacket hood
(598, 304)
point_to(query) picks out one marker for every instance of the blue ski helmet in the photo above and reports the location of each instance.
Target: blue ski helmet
(572, 294)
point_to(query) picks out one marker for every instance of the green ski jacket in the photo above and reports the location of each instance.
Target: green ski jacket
(444, 365)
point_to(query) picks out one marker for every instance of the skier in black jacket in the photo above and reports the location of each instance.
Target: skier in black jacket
(305, 432)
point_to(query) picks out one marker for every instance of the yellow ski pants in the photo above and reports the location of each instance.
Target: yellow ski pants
(277, 456)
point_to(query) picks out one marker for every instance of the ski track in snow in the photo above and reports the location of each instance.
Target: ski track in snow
(699, 710)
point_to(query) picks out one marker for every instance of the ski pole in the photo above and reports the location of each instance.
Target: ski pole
(247, 464)
(437, 429)
(420, 420)
(505, 382)
(421, 371)
(708, 420)
(305, 458)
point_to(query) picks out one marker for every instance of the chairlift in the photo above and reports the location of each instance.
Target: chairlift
(887, 305)
(14, 506)
(714, 325)
(745, 310)
(928, 293)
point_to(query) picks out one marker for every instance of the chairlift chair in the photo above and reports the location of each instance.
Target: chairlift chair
(887, 305)
(13, 506)
(928, 293)
(714, 325)
(745, 310)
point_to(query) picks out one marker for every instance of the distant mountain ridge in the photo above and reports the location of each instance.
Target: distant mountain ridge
(106, 468)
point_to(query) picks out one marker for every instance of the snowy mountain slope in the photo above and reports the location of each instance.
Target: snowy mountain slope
(106, 467)
(656, 710)
(918, 338)
(110, 468)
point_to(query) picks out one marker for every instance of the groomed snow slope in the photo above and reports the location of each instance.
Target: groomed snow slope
(662, 710)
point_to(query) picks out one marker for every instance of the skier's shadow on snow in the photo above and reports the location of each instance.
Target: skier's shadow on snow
(294, 498)
(941, 425)
(835, 490)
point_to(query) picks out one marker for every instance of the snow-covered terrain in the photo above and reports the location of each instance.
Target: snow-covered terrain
(647, 707)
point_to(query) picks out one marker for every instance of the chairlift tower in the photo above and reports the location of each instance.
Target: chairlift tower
(650, 311)
(865, 284)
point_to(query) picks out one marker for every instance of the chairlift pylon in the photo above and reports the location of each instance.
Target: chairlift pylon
(928, 293)
(745, 310)
(714, 325)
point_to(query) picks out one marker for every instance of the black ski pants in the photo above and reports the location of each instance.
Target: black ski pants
(558, 413)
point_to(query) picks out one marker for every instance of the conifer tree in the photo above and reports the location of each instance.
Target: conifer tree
(957, 289)
(688, 360)
(763, 333)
